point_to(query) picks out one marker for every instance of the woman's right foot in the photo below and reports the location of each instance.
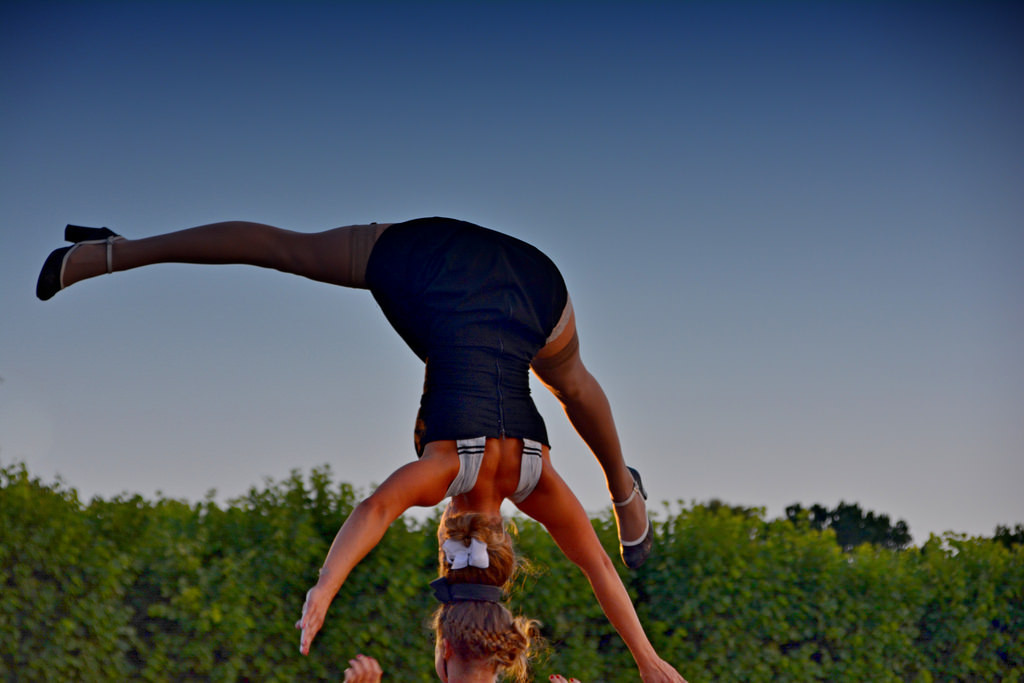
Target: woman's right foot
(628, 515)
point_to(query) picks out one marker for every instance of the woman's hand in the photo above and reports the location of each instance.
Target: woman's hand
(559, 678)
(363, 669)
(313, 612)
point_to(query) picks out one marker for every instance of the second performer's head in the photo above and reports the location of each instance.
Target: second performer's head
(476, 553)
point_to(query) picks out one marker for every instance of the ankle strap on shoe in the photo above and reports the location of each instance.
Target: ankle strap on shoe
(636, 490)
(643, 536)
(110, 252)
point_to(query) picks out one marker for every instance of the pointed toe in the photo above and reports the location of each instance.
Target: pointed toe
(634, 556)
(49, 282)
(635, 553)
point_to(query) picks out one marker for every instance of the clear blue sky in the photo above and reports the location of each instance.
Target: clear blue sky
(793, 232)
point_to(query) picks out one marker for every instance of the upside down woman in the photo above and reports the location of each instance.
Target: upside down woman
(480, 309)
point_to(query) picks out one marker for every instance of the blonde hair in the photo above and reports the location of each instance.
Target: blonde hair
(485, 630)
(466, 526)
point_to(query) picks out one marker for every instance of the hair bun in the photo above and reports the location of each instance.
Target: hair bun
(490, 530)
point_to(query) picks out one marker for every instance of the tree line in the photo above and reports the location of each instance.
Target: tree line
(128, 588)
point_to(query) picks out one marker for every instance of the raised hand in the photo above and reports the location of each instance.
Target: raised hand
(363, 669)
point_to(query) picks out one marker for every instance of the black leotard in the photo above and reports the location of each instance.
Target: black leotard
(476, 306)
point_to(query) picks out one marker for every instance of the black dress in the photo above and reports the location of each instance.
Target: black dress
(476, 306)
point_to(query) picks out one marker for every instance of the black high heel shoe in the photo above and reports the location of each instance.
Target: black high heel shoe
(51, 277)
(635, 553)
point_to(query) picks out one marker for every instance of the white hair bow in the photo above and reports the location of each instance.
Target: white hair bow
(460, 556)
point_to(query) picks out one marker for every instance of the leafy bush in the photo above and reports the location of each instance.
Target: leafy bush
(63, 611)
(130, 589)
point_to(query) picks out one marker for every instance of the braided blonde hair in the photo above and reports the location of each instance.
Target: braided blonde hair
(485, 630)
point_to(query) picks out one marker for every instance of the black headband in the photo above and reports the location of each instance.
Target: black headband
(456, 592)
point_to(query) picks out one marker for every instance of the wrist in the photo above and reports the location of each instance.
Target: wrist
(648, 660)
(326, 583)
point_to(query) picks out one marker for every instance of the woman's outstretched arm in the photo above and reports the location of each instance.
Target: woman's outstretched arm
(554, 505)
(420, 483)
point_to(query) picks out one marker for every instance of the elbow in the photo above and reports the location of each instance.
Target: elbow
(593, 561)
(376, 510)
(604, 564)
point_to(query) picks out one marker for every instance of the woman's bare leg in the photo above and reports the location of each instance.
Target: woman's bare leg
(559, 367)
(335, 256)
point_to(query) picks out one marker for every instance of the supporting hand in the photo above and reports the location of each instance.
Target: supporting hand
(363, 669)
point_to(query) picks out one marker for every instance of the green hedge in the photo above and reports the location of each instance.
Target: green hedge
(130, 589)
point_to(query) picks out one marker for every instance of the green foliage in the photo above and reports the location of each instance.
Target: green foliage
(852, 526)
(130, 589)
(62, 587)
(1010, 537)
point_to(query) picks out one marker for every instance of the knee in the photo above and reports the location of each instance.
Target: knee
(578, 386)
(569, 381)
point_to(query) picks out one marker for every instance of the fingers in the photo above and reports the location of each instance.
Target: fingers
(559, 678)
(363, 669)
(309, 624)
(309, 630)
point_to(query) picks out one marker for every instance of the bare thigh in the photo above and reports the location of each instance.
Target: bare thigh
(338, 256)
(558, 364)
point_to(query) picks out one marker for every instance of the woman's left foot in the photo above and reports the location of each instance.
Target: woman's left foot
(52, 277)
(635, 553)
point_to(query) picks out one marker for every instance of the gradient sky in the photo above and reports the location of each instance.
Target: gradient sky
(793, 234)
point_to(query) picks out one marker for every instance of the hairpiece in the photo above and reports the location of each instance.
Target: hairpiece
(460, 556)
(459, 592)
